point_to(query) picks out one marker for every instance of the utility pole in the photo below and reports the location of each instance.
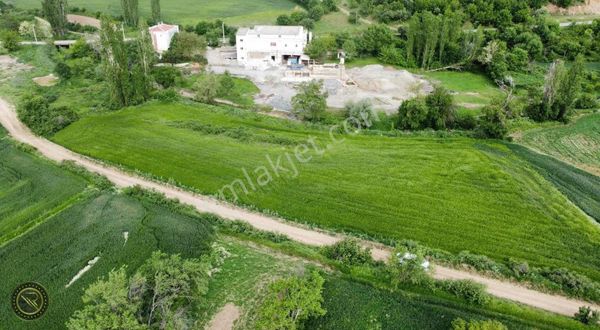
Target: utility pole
(223, 28)
(34, 34)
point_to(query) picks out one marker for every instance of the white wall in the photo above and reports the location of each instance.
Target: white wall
(274, 45)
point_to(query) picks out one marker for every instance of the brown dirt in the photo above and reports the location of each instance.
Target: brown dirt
(305, 235)
(84, 20)
(591, 7)
(46, 81)
(225, 318)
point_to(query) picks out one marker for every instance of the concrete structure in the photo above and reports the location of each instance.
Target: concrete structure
(162, 34)
(269, 45)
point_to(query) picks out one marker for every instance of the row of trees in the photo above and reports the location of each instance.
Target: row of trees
(131, 15)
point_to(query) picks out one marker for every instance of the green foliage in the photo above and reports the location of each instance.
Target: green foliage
(435, 111)
(587, 316)
(322, 47)
(468, 290)
(43, 119)
(131, 13)
(291, 301)
(63, 70)
(348, 252)
(407, 267)
(155, 8)
(226, 85)
(392, 55)
(561, 89)
(310, 103)
(207, 88)
(374, 39)
(10, 40)
(492, 123)
(213, 32)
(360, 114)
(185, 46)
(55, 11)
(166, 76)
(460, 324)
(96, 180)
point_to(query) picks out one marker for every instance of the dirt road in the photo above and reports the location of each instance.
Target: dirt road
(8, 118)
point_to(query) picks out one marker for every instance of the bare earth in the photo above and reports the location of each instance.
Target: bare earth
(590, 7)
(84, 20)
(9, 119)
(225, 318)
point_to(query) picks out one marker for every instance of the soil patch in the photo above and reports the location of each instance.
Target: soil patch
(225, 318)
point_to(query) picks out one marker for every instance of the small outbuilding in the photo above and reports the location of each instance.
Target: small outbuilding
(162, 34)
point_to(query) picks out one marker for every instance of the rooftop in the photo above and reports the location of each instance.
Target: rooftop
(162, 28)
(271, 30)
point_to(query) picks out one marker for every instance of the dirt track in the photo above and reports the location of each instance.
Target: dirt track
(8, 118)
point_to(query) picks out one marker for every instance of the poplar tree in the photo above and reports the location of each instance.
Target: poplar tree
(55, 11)
(130, 12)
(115, 63)
(155, 4)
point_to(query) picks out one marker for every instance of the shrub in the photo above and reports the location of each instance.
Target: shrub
(10, 40)
(63, 70)
(349, 252)
(468, 290)
(573, 283)
(166, 76)
(166, 95)
(492, 124)
(406, 266)
(587, 101)
(360, 114)
(310, 102)
(36, 113)
(392, 55)
(226, 85)
(587, 316)
(479, 262)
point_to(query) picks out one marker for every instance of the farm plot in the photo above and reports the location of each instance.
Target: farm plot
(455, 193)
(577, 143)
(238, 12)
(31, 189)
(55, 251)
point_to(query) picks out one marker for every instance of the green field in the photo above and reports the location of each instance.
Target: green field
(454, 193)
(31, 189)
(56, 250)
(472, 90)
(577, 143)
(237, 12)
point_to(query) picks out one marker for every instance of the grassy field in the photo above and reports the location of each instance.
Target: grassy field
(352, 305)
(242, 94)
(31, 189)
(237, 12)
(577, 143)
(455, 193)
(472, 90)
(55, 251)
(336, 22)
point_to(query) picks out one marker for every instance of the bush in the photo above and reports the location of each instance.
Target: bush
(349, 252)
(492, 124)
(166, 95)
(587, 316)
(587, 101)
(166, 76)
(10, 40)
(573, 283)
(63, 70)
(36, 113)
(392, 55)
(310, 102)
(360, 114)
(468, 290)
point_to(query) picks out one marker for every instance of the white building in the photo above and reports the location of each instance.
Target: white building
(162, 34)
(271, 45)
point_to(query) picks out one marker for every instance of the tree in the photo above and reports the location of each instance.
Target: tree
(310, 103)
(460, 324)
(412, 114)
(441, 111)
(349, 252)
(291, 301)
(130, 12)
(319, 48)
(492, 124)
(146, 57)
(10, 40)
(207, 88)
(107, 306)
(166, 76)
(184, 47)
(360, 114)
(374, 39)
(156, 16)
(55, 11)
(588, 316)
(406, 266)
(115, 64)
(226, 85)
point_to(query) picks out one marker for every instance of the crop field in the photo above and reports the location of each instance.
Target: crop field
(352, 305)
(577, 143)
(453, 193)
(31, 189)
(237, 12)
(472, 90)
(581, 187)
(55, 251)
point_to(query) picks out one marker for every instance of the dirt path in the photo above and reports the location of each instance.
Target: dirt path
(225, 318)
(8, 118)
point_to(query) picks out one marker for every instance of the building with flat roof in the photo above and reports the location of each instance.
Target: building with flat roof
(271, 45)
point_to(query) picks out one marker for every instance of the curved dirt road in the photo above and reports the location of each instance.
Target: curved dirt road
(9, 119)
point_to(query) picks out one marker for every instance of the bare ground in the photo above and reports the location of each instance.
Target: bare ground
(84, 20)
(225, 318)
(590, 7)
(502, 289)
(46, 81)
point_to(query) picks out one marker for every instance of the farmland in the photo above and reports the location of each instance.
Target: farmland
(31, 189)
(453, 193)
(237, 12)
(577, 143)
(91, 228)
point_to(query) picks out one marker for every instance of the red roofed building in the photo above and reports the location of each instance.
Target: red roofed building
(162, 34)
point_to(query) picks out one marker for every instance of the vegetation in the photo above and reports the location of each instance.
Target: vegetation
(311, 102)
(155, 8)
(435, 111)
(460, 324)
(289, 302)
(35, 111)
(131, 14)
(498, 185)
(55, 11)
(588, 316)
(185, 46)
(576, 143)
(348, 252)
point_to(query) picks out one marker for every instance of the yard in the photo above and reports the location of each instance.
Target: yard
(450, 193)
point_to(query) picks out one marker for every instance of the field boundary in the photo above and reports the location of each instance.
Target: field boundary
(8, 118)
